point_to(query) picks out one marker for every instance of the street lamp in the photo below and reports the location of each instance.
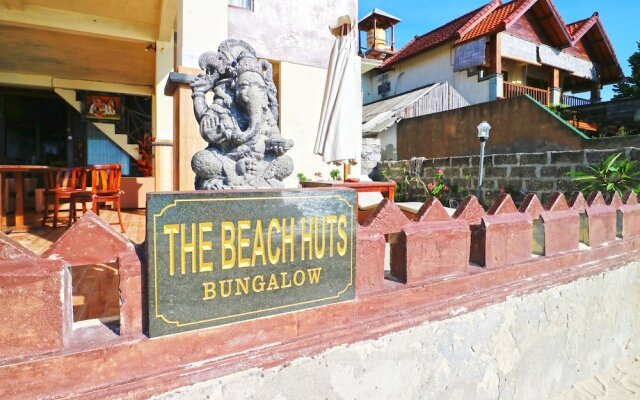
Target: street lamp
(483, 135)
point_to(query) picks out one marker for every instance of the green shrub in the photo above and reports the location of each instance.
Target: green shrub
(614, 173)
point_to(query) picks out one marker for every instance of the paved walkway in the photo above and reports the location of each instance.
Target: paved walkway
(619, 383)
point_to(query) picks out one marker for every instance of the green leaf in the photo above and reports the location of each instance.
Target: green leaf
(610, 160)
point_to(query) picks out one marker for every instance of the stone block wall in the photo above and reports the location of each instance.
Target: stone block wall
(517, 173)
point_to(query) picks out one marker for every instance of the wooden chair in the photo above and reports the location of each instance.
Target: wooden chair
(105, 187)
(59, 185)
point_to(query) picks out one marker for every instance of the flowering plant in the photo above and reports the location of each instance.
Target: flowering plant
(438, 188)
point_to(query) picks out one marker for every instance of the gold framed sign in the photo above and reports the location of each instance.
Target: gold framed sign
(217, 257)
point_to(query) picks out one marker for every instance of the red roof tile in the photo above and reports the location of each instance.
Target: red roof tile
(576, 26)
(494, 22)
(436, 37)
(491, 18)
(579, 28)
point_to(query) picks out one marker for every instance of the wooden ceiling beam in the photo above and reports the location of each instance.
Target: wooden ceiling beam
(167, 20)
(65, 21)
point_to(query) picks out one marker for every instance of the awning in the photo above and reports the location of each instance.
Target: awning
(437, 97)
(470, 54)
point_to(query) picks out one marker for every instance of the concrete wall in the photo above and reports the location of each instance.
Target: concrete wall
(527, 347)
(433, 66)
(290, 30)
(295, 34)
(301, 94)
(421, 70)
(613, 142)
(388, 141)
(519, 124)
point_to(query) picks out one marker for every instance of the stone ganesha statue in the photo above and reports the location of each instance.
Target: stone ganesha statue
(238, 121)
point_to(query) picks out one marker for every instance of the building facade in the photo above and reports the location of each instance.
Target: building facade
(503, 50)
(63, 52)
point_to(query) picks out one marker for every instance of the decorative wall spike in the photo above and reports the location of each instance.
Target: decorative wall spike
(432, 210)
(601, 221)
(557, 202)
(10, 250)
(386, 219)
(503, 205)
(102, 243)
(532, 206)
(578, 202)
(469, 211)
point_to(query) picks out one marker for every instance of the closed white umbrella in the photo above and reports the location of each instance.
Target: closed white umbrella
(339, 137)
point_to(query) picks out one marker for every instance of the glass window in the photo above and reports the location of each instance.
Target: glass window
(248, 4)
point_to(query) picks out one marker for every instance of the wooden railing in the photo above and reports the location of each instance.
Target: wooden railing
(513, 89)
(573, 101)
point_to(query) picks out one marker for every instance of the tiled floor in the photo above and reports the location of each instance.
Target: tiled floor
(95, 292)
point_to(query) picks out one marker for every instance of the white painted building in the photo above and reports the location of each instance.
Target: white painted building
(62, 50)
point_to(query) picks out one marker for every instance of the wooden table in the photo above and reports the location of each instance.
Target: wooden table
(18, 175)
(388, 189)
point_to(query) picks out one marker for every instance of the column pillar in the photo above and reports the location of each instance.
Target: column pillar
(495, 54)
(555, 91)
(595, 92)
(201, 26)
(495, 67)
(163, 119)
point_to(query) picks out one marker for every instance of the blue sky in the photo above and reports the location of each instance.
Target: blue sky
(621, 20)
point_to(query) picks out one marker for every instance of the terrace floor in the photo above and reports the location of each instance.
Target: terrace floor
(39, 238)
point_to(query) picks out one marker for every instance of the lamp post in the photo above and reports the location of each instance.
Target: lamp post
(483, 135)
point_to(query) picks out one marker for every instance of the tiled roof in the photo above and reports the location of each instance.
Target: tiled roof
(575, 26)
(432, 39)
(491, 18)
(492, 23)
(579, 28)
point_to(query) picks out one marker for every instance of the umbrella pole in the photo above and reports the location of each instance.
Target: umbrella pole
(347, 170)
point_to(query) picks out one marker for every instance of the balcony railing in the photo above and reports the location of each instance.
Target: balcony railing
(573, 101)
(513, 89)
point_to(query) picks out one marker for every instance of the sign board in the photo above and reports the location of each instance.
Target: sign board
(217, 257)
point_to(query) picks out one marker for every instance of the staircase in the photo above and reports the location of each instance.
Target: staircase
(109, 130)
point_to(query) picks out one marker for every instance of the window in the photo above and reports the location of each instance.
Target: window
(384, 88)
(248, 4)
